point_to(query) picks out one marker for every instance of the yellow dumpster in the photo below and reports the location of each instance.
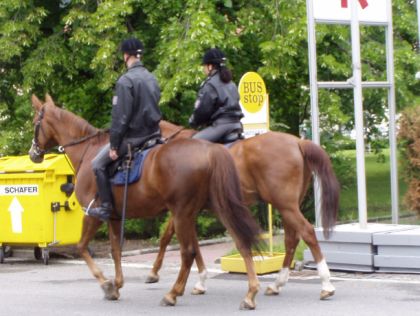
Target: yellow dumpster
(37, 204)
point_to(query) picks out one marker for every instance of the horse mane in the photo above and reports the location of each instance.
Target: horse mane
(171, 130)
(80, 123)
(79, 126)
(168, 125)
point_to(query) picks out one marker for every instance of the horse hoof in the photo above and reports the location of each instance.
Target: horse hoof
(167, 301)
(246, 305)
(110, 290)
(326, 294)
(196, 291)
(271, 292)
(152, 279)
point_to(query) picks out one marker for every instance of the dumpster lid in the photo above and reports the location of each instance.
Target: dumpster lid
(56, 162)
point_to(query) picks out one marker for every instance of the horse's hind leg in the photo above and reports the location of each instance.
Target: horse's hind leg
(90, 226)
(253, 283)
(153, 276)
(308, 235)
(305, 230)
(291, 240)
(200, 286)
(187, 237)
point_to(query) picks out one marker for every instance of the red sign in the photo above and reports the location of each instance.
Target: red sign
(363, 3)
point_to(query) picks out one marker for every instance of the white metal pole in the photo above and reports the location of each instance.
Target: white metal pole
(314, 101)
(392, 120)
(358, 113)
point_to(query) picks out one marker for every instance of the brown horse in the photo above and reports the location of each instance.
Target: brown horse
(183, 177)
(275, 168)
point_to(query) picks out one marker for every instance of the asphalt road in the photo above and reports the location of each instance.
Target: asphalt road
(66, 287)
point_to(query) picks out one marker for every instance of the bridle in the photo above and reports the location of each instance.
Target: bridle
(38, 127)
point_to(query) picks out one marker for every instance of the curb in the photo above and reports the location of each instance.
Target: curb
(174, 247)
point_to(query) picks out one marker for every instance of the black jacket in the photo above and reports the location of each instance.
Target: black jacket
(135, 111)
(215, 100)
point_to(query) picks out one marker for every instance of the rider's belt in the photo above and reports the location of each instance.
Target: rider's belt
(225, 120)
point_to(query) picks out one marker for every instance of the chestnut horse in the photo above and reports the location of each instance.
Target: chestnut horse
(276, 168)
(183, 176)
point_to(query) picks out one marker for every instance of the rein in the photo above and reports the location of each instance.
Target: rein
(174, 134)
(81, 140)
(61, 148)
(38, 151)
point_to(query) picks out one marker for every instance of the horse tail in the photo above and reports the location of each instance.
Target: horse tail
(318, 161)
(227, 202)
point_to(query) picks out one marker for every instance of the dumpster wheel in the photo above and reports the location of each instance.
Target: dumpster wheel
(42, 254)
(45, 255)
(1, 254)
(37, 253)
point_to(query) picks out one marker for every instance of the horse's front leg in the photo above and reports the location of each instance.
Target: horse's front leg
(166, 238)
(153, 277)
(90, 226)
(112, 288)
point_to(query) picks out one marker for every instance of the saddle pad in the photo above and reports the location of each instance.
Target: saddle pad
(228, 145)
(135, 171)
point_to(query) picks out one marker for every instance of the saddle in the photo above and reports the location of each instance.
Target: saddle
(232, 137)
(134, 165)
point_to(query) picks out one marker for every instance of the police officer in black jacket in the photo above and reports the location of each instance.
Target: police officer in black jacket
(135, 120)
(217, 106)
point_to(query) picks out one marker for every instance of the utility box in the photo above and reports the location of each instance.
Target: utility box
(38, 206)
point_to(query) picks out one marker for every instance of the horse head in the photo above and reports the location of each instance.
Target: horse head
(44, 137)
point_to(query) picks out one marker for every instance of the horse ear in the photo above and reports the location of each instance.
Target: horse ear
(36, 103)
(48, 99)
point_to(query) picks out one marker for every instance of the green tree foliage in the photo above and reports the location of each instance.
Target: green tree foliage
(69, 48)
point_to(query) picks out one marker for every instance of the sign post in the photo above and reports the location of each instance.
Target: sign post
(254, 104)
(355, 12)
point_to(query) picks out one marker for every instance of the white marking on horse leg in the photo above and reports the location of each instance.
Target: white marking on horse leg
(280, 281)
(200, 285)
(324, 274)
(89, 206)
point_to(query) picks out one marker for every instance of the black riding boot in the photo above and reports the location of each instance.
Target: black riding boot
(105, 195)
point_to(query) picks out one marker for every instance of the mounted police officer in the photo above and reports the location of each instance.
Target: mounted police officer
(217, 106)
(135, 120)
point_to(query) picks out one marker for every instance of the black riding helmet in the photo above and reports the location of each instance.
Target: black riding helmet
(132, 47)
(214, 56)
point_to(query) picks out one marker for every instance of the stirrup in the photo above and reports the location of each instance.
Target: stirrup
(102, 212)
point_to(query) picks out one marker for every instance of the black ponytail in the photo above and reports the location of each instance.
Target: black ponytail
(225, 74)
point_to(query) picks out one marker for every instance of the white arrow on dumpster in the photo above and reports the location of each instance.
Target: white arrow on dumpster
(16, 211)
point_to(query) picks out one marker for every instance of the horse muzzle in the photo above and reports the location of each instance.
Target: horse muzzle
(36, 154)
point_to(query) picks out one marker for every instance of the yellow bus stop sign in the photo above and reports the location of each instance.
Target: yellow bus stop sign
(252, 91)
